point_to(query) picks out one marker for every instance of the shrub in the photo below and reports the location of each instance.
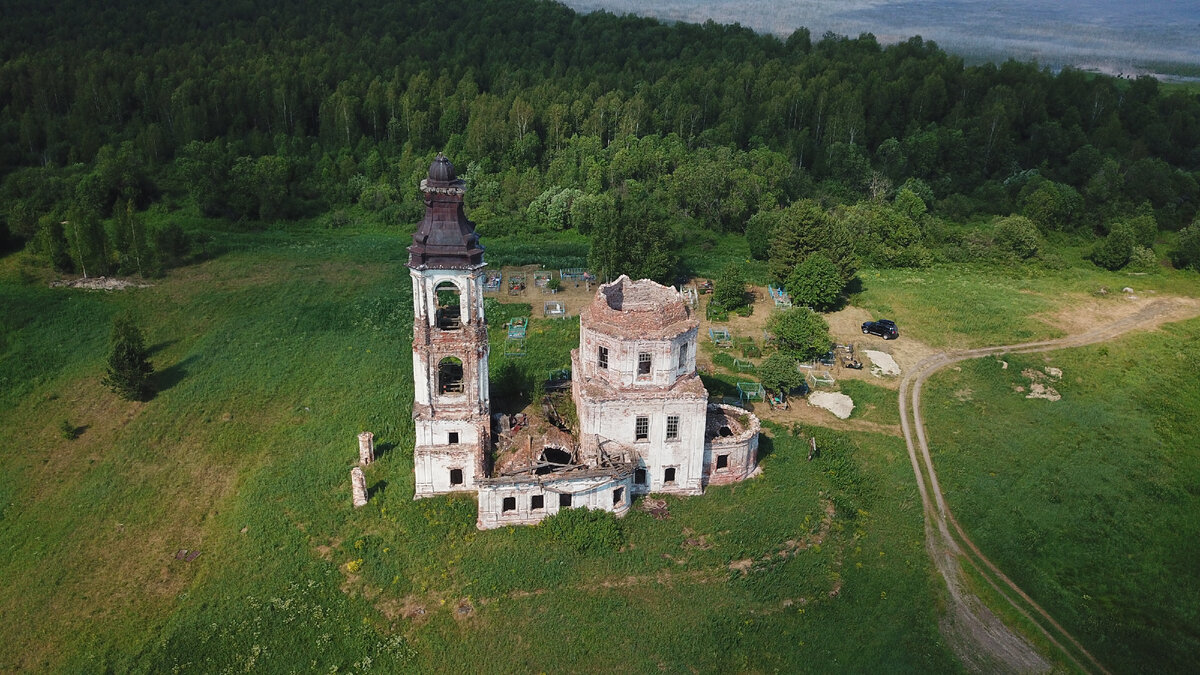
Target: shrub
(1187, 250)
(778, 373)
(1142, 259)
(1114, 251)
(723, 360)
(729, 289)
(758, 233)
(1019, 236)
(583, 530)
(69, 431)
(800, 332)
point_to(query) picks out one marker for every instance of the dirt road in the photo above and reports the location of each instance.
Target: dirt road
(974, 632)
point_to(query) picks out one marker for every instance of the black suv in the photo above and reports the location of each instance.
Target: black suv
(883, 328)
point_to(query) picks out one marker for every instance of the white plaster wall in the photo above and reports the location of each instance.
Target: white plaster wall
(623, 358)
(593, 493)
(617, 420)
(421, 385)
(743, 458)
(433, 457)
(431, 467)
(436, 432)
(470, 293)
(484, 391)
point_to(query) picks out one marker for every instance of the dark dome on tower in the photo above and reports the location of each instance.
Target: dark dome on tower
(441, 171)
(445, 239)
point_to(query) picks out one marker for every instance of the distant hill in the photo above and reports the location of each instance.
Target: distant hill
(1111, 36)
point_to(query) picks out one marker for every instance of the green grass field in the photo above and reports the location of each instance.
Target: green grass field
(272, 356)
(282, 345)
(976, 306)
(1090, 503)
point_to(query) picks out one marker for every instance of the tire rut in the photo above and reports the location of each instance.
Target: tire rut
(977, 636)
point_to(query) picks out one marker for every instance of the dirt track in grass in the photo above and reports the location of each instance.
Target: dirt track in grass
(974, 632)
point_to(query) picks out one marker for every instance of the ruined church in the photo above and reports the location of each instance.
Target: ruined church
(644, 421)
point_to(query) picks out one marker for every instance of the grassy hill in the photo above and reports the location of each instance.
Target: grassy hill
(1091, 502)
(272, 355)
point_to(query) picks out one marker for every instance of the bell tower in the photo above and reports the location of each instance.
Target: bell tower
(451, 408)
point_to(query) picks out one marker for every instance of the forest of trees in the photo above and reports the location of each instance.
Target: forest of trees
(633, 132)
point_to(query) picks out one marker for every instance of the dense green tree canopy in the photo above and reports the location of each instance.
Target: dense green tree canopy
(129, 371)
(778, 373)
(816, 282)
(800, 332)
(291, 110)
(729, 289)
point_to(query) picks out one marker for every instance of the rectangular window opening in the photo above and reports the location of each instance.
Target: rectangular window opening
(643, 364)
(510, 504)
(722, 461)
(537, 502)
(453, 440)
(669, 475)
(564, 500)
(683, 356)
(602, 357)
(618, 496)
(456, 477)
(639, 476)
(641, 429)
(672, 427)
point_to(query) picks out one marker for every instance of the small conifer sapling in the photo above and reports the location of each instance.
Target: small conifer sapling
(129, 372)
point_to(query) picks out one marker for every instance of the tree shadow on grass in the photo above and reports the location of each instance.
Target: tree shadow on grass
(154, 349)
(382, 449)
(172, 375)
(377, 489)
(766, 446)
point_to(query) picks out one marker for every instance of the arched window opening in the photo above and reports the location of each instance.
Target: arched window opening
(555, 455)
(552, 459)
(449, 314)
(450, 376)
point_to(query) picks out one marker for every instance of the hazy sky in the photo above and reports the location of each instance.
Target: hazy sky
(1114, 34)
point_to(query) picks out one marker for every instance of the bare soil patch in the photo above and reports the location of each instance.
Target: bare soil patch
(804, 413)
(882, 363)
(1040, 383)
(99, 283)
(845, 326)
(837, 403)
(573, 295)
(1082, 312)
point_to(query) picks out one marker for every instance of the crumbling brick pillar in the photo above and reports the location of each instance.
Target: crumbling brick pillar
(366, 448)
(358, 486)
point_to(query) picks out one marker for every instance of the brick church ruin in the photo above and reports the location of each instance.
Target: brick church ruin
(644, 420)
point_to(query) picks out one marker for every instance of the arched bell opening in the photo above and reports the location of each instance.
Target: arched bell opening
(450, 376)
(449, 311)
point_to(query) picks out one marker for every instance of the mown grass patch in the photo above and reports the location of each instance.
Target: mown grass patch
(871, 402)
(1091, 503)
(978, 305)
